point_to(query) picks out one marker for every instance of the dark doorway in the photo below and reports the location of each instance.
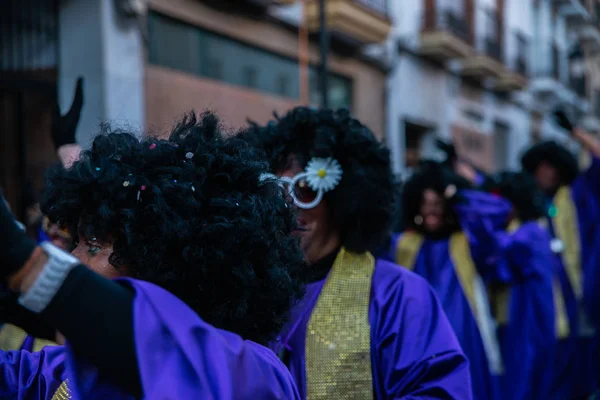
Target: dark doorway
(28, 77)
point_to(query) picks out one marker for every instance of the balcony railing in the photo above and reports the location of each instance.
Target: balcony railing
(521, 66)
(457, 24)
(379, 6)
(555, 62)
(493, 48)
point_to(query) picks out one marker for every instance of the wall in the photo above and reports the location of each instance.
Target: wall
(108, 52)
(368, 82)
(171, 93)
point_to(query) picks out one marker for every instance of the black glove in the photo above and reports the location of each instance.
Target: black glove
(65, 126)
(15, 246)
(449, 149)
(560, 117)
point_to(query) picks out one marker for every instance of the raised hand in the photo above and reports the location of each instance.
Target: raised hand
(561, 118)
(65, 126)
(15, 246)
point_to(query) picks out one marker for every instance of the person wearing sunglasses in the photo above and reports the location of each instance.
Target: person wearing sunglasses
(366, 328)
(204, 264)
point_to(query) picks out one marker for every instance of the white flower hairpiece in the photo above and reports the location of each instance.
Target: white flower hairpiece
(323, 174)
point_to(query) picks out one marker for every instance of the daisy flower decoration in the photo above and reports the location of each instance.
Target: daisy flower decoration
(323, 174)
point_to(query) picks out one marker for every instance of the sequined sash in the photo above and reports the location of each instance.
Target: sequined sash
(567, 230)
(338, 342)
(63, 392)
(407, 250)
(13, 337)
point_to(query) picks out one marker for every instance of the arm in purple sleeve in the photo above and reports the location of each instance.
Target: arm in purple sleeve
(483, 218)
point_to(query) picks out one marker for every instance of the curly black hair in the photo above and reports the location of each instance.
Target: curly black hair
(362, 205)
(437, 177)
(521, 190)
(191, 215)
(554, 154)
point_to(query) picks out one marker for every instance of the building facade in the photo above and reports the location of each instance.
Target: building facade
(148, 62)
(486, 74)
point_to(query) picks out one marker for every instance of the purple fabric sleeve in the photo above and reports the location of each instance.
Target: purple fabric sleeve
(202, 361)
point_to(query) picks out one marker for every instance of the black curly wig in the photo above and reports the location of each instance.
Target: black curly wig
(554, 154)
(190, 215)
(522, 191)
(437, 177)
(362, 205)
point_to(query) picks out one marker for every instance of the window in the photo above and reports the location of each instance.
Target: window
(177, 45)
(250, 76)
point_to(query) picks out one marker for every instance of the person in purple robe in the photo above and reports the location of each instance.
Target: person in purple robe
(521, 276)
(366, 328)
(437, 203)
(200, 243)
(573, 200)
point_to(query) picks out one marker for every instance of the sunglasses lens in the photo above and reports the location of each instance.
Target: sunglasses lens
(303, 191)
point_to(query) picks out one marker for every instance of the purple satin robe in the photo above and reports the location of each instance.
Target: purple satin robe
(579, 356)
(179, 357)
(525, 263)
(414, 352)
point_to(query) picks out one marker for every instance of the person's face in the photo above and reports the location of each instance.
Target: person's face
(432, 210)
(547, 177)
(95, 255)
(318, 234)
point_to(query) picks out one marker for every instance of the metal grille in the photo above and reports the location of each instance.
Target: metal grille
(28, 35)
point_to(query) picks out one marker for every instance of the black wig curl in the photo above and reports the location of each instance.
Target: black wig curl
(522, 191)
(554, 154)
(362, 205)
(437, 177)
(190, 215)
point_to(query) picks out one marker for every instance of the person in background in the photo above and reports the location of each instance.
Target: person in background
(366, 328)
(573, 201)
(525, 291)
(437, 203)
(63, 130)
(208, 268)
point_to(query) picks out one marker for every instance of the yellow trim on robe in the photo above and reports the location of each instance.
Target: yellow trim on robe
(407, 249)
(338, 337)
(63, 392)
(566, 229)
(409, 245)
(12, 338)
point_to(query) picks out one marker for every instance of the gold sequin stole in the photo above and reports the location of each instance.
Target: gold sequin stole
(12, 338)
(63, 392)
(566, 229)
(407, 250)
(338, 337)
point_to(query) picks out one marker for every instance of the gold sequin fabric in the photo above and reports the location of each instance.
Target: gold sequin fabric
(12, 338)
(338, 342)
(63, 392)
(408, 248)
(567, 230)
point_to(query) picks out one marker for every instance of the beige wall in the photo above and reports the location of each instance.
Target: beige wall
(171, 93)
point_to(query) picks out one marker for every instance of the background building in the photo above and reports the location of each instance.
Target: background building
(486, 73)
(146, 63)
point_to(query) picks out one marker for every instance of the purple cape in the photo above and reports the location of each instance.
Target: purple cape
(528, 338)
(435, 264)
(577, 362)
(179, 356)
(414, 353)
